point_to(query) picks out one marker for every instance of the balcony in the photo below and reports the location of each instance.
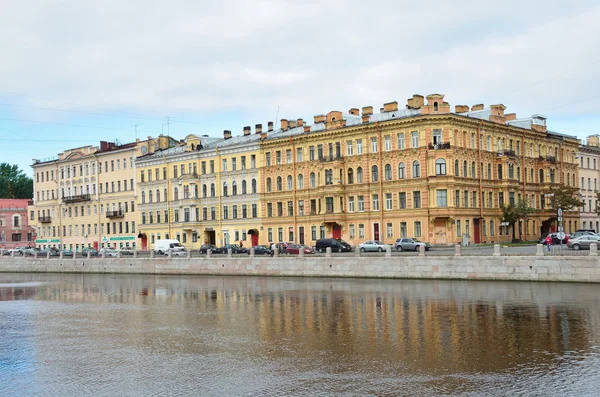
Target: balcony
(325, 159)
(44, 219)
(114, 214)
(510, 153)
(439, 146)
(77, 198)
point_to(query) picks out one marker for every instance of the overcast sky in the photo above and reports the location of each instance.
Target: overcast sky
(75, 72)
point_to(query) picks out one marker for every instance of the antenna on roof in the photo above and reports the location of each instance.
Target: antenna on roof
(277, 116)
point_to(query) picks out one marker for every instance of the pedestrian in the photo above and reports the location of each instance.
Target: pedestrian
(549, 241)
(273, 246)
(241, 244)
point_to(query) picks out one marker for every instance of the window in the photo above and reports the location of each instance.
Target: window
(361, 203)
(359, 175)
(499, 171)
(466, 199)
(474, 203)
(400, 141)
(403, 230)
(417, 229)
(374, 145)
(225, 212)
(456, 168)
(442, 198)
(351, 204)
(361, 230)
(458, 230)
(349, 148)
(390, 230)
(375, 202)
(387, 141)
(269, 187)
(278, 157)
(415, 139)
(268, 158)
(351, 231)
(401, 171)
(350, 176)
(254, 210)
(416, 169)
(440, 167)
(416, 199)
(359, 146)
(311, 153)
(402, 200)
(500, 199)
(374, 174)
(473, 171)
(388, 201)
(289, 182)
(313, 180)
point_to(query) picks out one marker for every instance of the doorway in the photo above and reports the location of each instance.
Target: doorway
(376, 231)
(210, 237)
(301, 234)
(337, 231)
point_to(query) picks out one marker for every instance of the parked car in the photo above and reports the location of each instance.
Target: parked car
(322, 245)
(586, 230)
(127, 251)
(347, 247)
(108, 252)
(213, 248)
(53, 252)
(583, 242)
(372, 246)
(294, 249)
(410, 244)
(29, 251)
(235, 249)
(581, 233)
(557, 238)
(176, 252)
(282, 247)
(67, 253)
(4, 252)
(92, 251)
(262, 250)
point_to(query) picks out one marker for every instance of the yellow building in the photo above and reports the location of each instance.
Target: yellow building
(422, 171)
(86, 197)
(589, 174)
(205, 191)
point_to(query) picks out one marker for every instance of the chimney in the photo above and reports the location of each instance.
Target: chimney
(258, 128)
(293, 124)
(479, 106)
(510, 116)
(354, 111)
(226, 134)
(307, 128)
(103, 145)
(416, 102)
(498, 110)
(263, 136)
(299, 122)
(367, 110)
(284, 124)
(593, 140)
(247, 130)
(390, 106)
(461, 108)
(270, 126)
(320, 118)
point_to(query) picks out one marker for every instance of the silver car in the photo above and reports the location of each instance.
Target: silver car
(373, 246)
(583, 242)
(410, 244)
(108, 253)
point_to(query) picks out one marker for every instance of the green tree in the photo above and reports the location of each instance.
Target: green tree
(14, 184)
(513, 213)
(565, 197)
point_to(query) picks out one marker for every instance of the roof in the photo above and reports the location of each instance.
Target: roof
(14, 203)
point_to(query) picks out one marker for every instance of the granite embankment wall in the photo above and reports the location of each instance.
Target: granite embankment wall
(524, 268)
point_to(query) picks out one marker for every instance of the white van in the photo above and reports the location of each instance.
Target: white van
(164, 246)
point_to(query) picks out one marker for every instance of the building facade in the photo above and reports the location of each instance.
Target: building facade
(422, 171)
(15, 228)
(589, 173)
(86, 197)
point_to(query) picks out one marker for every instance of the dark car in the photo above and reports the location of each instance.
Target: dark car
(262, 250)
(53, 252)
(235, 249)
(347, 247)
(213, 249)
(294, 249)
(92, 251)
(324, 243)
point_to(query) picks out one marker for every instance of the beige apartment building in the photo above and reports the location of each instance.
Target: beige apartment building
(86, 197)
(589, 172)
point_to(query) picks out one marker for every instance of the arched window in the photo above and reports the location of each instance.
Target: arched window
(244, 187)
(531, 178)
(269, 187)
(234, 188)
(175, 194)
(149, 196)
(143, 197)
(435, 106)
(300, 181)
(213, 192)
(225, 189)
(499, 171)
(519, 174)
(542, 177)
(313, 180)
(374, 173)
(204, 192)
(359, 175)
(401, 171)
(195, 191)
(465, 169)
(489, 171)
(253, 186)
(157, 196)
(350, 176)
(279, 184)
(511, 171)
(388, 172)
(290, 183)
(186, 191)
(440, 167)
(456, 168)
(165, 194)
(473, 170)
(416, 169)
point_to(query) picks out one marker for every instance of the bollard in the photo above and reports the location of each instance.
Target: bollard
(457, 250)
(189, 254)
(388, 251)
(151, 254)
(74, 254)
(135, 253)
(593, 249)
(12, 253)
(357, 251)
(229, 252)
(421, 250)
(48, 254)
(89, 254)
(60, 256)
(328, 252)
(169, 254)
(252, 252)
(301, 252)
(496, 250)
(208, 253)
(35, 254)
(276, 252)
(118, 254)
(539, 250)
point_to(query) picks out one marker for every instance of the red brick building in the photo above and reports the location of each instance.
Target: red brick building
(14, 224)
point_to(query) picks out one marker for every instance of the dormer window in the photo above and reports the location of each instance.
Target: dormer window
(435, 106)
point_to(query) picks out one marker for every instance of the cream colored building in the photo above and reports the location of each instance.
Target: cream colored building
(589, 174)
(86, 197)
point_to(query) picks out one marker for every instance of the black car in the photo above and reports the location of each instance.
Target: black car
(92, 251)
(235, 249)
(347, 247)
(335, 245)
(262, 250)
(213, 249)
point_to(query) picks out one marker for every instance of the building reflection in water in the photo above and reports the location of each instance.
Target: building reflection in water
(383, 327)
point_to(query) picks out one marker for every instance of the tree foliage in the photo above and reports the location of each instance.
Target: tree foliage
(565, 197)
(14, 184)
(513, 213)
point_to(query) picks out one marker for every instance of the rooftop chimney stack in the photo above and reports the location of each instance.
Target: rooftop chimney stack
(284, 124)
(461, 108)
(390, 106)
(299, 122)
(226, 134)
(270, 126)
(479, 106)
(247, 130)
(354, 112)
(258, 128)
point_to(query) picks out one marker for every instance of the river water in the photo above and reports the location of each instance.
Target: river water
(129, 335)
